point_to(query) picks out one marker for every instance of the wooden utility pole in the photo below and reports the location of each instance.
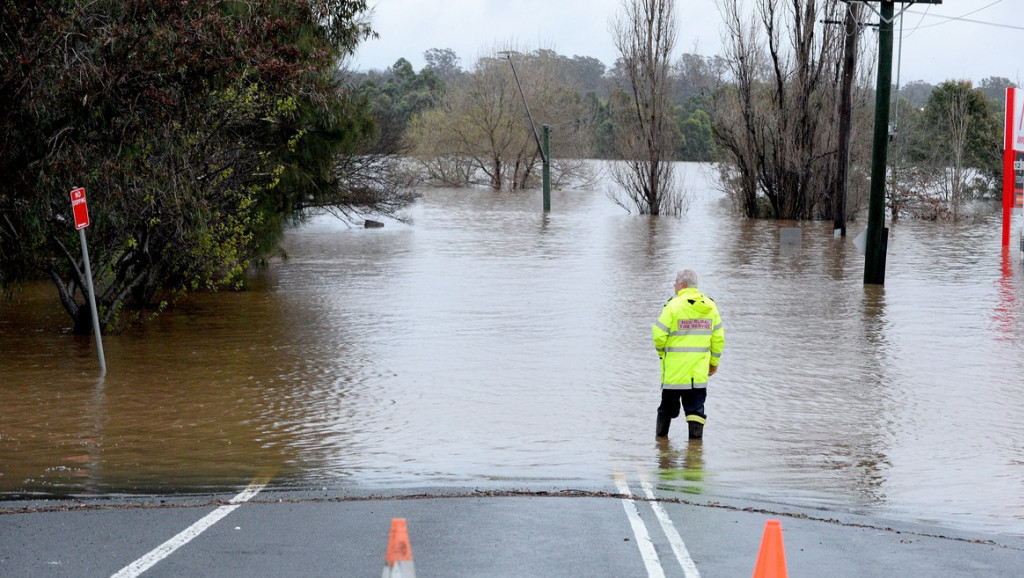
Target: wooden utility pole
(852, 24)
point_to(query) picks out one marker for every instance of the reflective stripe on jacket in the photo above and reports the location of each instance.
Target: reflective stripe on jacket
(689, 338)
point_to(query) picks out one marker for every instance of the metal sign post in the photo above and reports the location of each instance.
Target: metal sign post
(81, 212)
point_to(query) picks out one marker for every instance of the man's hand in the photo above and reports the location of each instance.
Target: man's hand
(712, 369)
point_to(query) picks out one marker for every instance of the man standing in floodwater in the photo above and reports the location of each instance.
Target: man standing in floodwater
(689, 339)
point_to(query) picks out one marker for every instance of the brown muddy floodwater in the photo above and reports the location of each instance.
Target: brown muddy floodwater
(489, 345)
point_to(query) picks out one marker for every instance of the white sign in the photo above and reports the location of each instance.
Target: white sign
(1017, 124)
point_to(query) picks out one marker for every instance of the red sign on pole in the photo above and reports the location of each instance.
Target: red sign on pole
(79, 208)
(1013, 158)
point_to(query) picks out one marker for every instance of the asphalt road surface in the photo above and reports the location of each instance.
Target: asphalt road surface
(619, 531)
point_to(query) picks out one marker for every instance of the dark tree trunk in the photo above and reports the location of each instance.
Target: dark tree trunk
(83, 321)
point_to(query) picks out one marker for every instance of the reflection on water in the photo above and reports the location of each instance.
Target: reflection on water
(489, 344)
(681, 469)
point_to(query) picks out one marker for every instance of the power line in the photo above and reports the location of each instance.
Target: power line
(918, 25)
(962, 18)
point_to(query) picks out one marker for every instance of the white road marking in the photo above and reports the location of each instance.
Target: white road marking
(643, 539)
(187, 535)
(678, 547)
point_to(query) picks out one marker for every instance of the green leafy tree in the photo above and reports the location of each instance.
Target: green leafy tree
(197, 128)
(445, 64)
(587, 73)
(994, 89)
(696, 132)
(916, 92)
(958, 142)
(396, 95)
(603, 137)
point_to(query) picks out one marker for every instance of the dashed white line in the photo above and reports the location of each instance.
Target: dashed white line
(643, 539)
(188, 534)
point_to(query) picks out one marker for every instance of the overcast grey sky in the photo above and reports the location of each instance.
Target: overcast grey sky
(971, 39)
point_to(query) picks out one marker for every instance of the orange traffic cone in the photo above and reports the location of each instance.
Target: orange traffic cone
(771, 560)
(398, 560)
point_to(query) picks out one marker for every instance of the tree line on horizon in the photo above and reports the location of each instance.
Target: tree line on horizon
(409, 106)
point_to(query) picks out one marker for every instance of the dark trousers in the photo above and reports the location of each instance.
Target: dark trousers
(691, 400)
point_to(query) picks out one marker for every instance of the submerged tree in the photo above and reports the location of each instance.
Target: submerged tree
(481, 132)
(644, 131)
(777, 126)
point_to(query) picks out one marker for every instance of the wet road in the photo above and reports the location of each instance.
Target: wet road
(558, 533)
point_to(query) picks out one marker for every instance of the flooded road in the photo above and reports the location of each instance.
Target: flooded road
(490, 345)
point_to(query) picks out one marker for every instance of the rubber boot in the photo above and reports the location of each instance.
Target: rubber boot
(696, 430)
(662, 429)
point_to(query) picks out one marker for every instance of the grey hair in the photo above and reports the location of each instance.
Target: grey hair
(687, 276)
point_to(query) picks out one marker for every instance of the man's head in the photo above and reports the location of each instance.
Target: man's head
(685, 278)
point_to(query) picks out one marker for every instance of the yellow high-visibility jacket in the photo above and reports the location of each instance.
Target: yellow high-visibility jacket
(689, 338)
